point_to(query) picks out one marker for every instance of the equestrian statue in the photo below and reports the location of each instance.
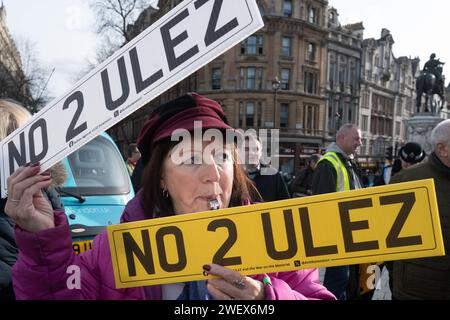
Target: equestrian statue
(430, 82)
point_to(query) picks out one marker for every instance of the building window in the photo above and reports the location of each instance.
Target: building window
(399, 110)
(330, 116)
(373, 125)
(216, 75)
(342, 77)
(353, 80)
(253, 45)
(397, 128)
(241, 114)
(349, 113)
(310, 118)
(311, 54)
(285, 79)
(312, 15)
(259, 114)
(331, 17)
(365, 122)
(241, 78)
(250, 114)
(251, 78)
(310, 82)
(332, 74)
(286, 46)
(284, 115)
(367, 96)
(287, 8)
(261, 11)
(259, 78)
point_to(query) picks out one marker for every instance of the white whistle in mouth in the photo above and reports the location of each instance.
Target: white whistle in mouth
(214, 204)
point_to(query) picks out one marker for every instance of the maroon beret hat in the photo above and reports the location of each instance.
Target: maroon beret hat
(179, 113)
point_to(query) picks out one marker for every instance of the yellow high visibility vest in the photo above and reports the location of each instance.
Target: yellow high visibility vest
(342, 182)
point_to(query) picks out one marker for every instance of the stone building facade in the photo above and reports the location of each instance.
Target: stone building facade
(343, 72)
(13, 83)
(387, 98)
(277, 78)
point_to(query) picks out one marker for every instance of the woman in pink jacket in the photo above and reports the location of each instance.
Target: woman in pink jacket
(177, 179)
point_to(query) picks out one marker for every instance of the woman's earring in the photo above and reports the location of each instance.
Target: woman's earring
(165, 193)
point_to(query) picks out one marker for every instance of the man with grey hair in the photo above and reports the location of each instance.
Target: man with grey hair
(336, 172)
(428, 278)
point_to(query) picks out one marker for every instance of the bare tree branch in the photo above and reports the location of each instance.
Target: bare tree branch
(29, 85)
(114, 16)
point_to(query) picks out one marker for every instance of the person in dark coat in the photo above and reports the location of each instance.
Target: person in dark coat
(302, 185)
(12, 116)
(8, 253)
(411, 154)
(428, 278)
(336, 172)
(267, 180)
(136, 176)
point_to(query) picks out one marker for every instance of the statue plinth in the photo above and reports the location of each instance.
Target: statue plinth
(419, 128)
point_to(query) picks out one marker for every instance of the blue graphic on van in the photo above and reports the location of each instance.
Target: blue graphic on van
(96, 190)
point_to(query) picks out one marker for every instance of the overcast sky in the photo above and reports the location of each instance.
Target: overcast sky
(418, 27)
(63, 30)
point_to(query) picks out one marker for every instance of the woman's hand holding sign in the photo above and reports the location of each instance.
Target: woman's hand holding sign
(26, 204)
(232, 285)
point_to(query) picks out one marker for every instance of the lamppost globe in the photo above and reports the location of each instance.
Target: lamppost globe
(276, 84)
(337, 117)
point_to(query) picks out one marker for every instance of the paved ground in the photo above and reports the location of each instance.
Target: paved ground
(381, 293)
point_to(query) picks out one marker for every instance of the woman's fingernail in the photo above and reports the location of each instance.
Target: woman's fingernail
(27, 164)
(207, 267)
(46, 173)
(37, 164)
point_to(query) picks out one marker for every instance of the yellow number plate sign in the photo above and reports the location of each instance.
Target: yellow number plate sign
(394, 222)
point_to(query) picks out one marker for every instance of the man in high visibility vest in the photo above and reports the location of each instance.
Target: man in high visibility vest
(335, 172)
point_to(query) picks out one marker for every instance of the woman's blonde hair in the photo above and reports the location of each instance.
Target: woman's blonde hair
(12, 116)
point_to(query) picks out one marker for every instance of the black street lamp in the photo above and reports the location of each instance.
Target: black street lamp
(276, 84)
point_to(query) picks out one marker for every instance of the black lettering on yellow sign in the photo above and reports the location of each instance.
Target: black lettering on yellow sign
(310, 249)
(145, 257)
(393, 240)
(398, 222)
(219, 257)
(349, 226)
(132, 249)
(182, 261)
(291, 250)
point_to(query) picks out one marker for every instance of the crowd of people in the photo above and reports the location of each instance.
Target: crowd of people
(35, 240)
